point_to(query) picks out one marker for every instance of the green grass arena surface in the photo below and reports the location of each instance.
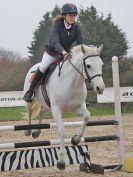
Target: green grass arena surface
(18, 113)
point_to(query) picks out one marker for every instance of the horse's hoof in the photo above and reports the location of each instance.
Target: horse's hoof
(61, 166)
(75, 140)
(27, 132)
(35, 134)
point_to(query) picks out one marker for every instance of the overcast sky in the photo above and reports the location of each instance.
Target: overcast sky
(20, 18)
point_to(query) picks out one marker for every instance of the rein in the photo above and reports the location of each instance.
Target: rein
(76, 68)
(61, 65)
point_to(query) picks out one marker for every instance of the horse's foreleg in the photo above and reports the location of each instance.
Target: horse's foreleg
(58, 119)
(29, 111)
(86, 115)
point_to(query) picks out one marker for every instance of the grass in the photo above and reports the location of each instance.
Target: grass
(101, 111)
(17, 113)
(14, 113)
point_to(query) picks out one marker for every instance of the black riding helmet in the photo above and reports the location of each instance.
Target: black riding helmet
(69, 8)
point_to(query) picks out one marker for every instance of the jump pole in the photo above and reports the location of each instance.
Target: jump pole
(56, 142)
(117, 104)
(53, 125)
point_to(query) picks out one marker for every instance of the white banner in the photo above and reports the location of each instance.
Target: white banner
(11, 99)
(126, 95)
(14, 98)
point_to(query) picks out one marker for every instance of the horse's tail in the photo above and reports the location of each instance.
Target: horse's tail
(36, 108)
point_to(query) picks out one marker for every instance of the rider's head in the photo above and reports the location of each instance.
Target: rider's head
(69, 11)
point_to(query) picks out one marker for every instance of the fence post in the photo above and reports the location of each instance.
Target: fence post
(117, 104)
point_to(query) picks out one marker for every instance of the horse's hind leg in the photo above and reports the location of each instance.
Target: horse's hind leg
(58, 119)
(86, 115)
(29, 111)
(37, 132)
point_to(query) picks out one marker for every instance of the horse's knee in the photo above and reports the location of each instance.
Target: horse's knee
(87, 116)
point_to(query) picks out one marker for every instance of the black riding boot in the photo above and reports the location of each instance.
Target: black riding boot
(29, 95)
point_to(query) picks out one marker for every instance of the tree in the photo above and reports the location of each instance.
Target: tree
(42, 36)
(12, 70)
(96, 30)
(9, 56)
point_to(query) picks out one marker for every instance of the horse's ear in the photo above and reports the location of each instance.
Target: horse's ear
(100, 48)
(83, 49)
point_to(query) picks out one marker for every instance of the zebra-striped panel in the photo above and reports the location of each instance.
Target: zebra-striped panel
(42, 157)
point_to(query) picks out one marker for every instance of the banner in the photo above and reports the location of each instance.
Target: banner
(126, 95)
(14, 98)
(11, 99)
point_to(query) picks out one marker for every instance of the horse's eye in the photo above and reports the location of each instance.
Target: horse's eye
(88, 66)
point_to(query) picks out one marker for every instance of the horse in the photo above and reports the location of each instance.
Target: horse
(68, 91)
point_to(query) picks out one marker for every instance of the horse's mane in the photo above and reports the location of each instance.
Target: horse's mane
(88, 49)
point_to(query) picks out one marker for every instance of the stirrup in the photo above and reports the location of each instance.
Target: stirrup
(29, 96)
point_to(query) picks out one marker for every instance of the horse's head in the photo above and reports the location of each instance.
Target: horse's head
(92, 65)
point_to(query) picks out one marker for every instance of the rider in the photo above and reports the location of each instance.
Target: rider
(64, 33)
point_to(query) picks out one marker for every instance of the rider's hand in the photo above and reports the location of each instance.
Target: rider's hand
(65, 55)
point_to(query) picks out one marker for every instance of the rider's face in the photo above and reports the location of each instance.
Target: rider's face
(70, 18)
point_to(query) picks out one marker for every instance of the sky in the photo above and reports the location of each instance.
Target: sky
(20, 18)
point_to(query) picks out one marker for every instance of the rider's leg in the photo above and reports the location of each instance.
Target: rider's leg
(46, 61)
(29, 95)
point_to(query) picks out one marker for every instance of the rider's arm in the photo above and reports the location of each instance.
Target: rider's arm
(56, 41)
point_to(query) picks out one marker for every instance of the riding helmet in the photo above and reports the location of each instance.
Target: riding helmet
(69, 8)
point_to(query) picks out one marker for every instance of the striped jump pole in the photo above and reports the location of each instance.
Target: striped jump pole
(53, 125)
(56, 142)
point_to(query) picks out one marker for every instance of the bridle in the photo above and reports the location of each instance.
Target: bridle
(85, 68)
(84, 64)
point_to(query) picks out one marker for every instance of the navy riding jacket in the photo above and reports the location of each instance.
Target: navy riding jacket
(62, 38)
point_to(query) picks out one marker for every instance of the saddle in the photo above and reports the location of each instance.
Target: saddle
(46, 75)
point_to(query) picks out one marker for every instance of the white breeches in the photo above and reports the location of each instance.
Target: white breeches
(47, 60)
